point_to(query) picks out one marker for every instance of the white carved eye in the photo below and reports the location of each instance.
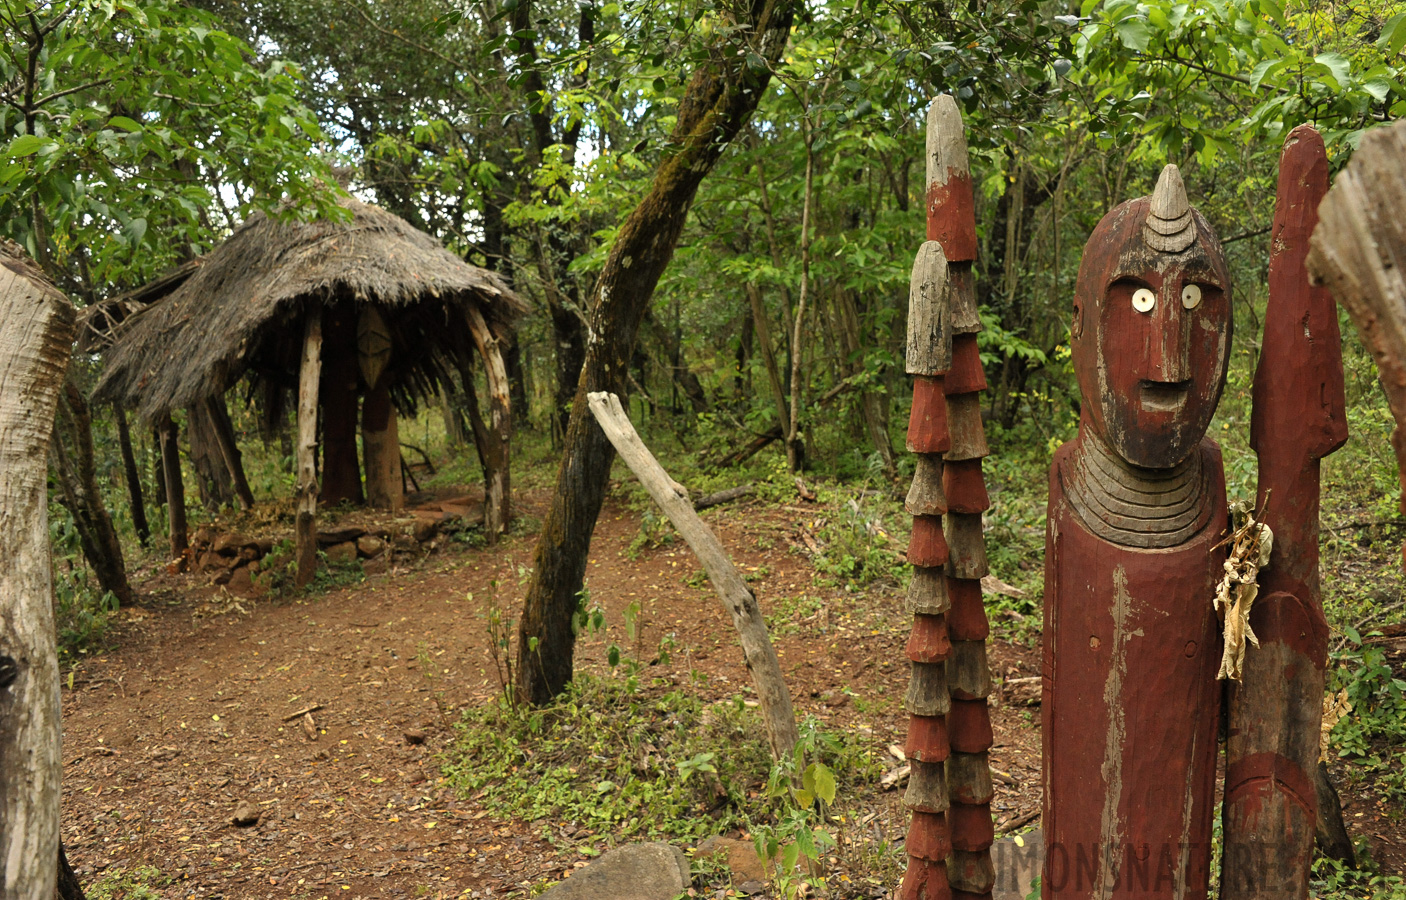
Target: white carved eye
(1144, 300)
(1191, 296)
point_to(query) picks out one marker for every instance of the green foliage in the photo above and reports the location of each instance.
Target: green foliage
(140, 883)
(81, 611)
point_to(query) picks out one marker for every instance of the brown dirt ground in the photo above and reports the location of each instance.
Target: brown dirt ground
(192, 712)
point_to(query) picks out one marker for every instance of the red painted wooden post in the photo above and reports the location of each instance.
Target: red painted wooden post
(1299, 417)
(1137, 508)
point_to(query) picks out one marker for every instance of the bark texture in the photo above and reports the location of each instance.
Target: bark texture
(310, 373)
(77, 475)
(36, 331)
(721, 95)
(133, 476)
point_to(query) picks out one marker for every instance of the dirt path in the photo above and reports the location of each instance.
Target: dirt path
(193, 714)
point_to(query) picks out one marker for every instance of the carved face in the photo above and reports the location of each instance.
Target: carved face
(1151, 329)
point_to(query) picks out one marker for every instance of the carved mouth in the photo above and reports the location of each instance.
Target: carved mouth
(1163, 396)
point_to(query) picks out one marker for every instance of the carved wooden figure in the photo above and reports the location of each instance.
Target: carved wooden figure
(1136, 513)
(949, 733)
(1299, 417)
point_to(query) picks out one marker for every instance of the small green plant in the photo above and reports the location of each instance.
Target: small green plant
(81, 611)
(140, 883)
(655, 531)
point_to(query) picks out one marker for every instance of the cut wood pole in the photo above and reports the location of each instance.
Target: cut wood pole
(496, 451)
(1358, 251)
(228, 444)
(1299, 417)
(36, 332)
(309, 374)
(175, 486)
(757, 651)
(380, 446)
(133, 475)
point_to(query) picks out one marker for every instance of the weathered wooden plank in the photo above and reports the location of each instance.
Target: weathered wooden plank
(968, 674)
(969, 778)
(966, 546)
(969, 726)
(927, 739)
(929, 329)
(951, 209)
(927, 690)
(972, 828)
(967, 436)
(927, 788)
(925, 879)
(928, 642)
(961, 292)
(967, 620)
(928, 837)
(927, 592)
(965, 487)
(971, 872)
(927, 546)
(927, 421)
(966, 375)
(925, 495)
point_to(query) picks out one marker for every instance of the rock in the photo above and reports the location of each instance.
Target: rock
(377, 566)
(265, 546)
(202, 537)
(1017, 861)
(224, 576)
(425, 529)
(739, 856)
(245, 814)
(249, 552)
(241, 582)
(230, 544)
(339, 535)
(634, 872)
(414, 736)
(369, 546)
(342, 554)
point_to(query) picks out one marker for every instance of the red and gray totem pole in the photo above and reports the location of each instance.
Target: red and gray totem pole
(949, 732)
(1275, 711)
(1133, 553)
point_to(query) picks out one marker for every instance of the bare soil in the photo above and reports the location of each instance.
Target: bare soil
(196, 709)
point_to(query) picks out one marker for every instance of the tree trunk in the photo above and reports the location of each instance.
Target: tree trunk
(73, 457)
(773, 369)
(158, 472)
(873, 402)
(227, 443)
(795, 457)
(495, 452)
(453, 422)
(341, 470)
(679, 370)
(741, 380)
(517, 380)
(720, 97)
(211, 473)
(309, 375)
(175, 487)
(757, 652)
(133, 475)
(36, 332)
(68, 887)
(380, 442)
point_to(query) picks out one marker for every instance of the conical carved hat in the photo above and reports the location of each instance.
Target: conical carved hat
(1169, 227)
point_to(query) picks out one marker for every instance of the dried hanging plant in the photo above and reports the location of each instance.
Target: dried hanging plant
(1250, 546)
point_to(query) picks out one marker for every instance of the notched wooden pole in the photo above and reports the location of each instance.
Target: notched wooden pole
(36, 332)
(305, 529)
(741, 603)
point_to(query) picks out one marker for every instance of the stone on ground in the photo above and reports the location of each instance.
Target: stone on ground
(635, 872)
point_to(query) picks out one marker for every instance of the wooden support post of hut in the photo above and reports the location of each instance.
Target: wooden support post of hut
(309, 374)
(36, 332)
(399, 315)
(175, 487)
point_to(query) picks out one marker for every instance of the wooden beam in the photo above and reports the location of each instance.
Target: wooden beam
(36, 333)
(175, 487)
(496, 453)
(228, 445)
(739, 600)
(309, 374)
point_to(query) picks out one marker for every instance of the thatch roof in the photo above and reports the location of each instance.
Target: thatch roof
(241, 311)
(98, 324)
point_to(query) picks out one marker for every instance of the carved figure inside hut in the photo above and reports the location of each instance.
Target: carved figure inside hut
(1137, 510)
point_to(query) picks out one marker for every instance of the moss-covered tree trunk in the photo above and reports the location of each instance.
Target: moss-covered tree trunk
(721, 95)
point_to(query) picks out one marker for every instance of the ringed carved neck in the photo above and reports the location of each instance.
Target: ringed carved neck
(1132, 506)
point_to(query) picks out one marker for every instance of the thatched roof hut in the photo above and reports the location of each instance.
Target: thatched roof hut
(334, 311)
(240, 311)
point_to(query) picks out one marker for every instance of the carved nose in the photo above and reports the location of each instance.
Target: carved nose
(1169, 351)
